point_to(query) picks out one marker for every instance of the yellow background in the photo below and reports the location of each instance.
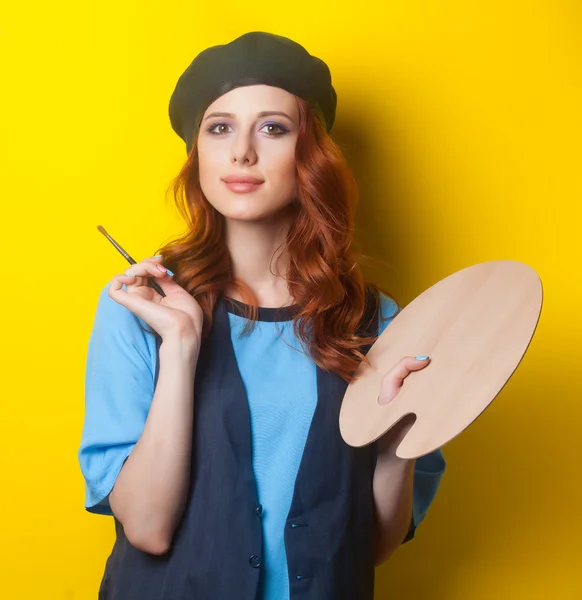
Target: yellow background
(462, 122)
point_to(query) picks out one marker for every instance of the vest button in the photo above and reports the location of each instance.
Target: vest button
(255, 561)
(259, 510)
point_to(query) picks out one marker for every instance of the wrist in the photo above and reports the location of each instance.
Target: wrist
(180, 346)
(391, 439)
(387, 446)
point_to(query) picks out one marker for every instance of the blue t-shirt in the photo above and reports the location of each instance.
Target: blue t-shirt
(282, 395)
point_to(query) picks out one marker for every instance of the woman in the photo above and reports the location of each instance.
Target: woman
(211, 431)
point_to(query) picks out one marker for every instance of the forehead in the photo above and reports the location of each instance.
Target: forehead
(254, 98)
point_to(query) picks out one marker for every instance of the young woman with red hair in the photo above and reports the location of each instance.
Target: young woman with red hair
(211, 432)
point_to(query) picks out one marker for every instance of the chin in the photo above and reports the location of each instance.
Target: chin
(248, 216)
(250, 210)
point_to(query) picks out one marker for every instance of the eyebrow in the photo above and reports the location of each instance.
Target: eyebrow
(266, 113)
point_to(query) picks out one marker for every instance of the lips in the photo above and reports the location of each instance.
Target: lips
(242, 184)
(242, 179)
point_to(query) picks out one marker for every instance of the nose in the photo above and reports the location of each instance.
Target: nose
(243, 149)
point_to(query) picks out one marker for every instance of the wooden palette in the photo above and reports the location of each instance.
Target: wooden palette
(476, 326)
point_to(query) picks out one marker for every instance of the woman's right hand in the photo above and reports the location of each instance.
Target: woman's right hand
(178, 314)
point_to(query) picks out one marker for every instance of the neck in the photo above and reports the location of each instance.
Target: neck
(260, 259)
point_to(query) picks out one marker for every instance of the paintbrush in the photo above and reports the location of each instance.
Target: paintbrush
(151, 282)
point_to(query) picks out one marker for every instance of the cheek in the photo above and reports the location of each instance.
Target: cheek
(282, 168)
(208, 166)
(289, 176)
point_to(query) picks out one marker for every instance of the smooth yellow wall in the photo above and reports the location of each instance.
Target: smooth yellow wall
(462, 121)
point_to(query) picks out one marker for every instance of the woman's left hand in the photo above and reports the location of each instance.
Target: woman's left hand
(389, 388)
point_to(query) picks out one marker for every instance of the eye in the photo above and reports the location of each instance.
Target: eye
(219, 128)
(274, 129)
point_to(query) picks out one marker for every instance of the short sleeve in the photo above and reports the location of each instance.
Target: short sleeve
(119, 387)
(429, 469)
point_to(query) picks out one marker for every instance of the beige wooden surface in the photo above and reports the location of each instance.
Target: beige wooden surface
(475, 325)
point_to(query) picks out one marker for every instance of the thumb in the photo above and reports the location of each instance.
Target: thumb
(409, 364)
(393, 380)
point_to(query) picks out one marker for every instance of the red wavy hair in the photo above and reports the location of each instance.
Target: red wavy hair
(324, 275)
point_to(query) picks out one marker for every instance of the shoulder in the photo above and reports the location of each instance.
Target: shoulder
(111, 312)
(117, 329)
(388, 308)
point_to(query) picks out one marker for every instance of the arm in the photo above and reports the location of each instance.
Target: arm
(403, 492)
(122, 395)
(393, 500)
(403, 489)
(150, 491)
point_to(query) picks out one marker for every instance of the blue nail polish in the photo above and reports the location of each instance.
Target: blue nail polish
(421, 357)
(169, 273)
(158, 256)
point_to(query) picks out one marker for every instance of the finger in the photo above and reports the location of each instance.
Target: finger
(137, 285)
(115, 288)
(137, 275)
(406, 366)
(394, 379)
(141, 306)
(140, 280)
(146, 268)
(157, 259)
(120, 280)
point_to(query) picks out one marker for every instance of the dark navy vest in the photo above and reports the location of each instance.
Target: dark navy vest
(216, 551)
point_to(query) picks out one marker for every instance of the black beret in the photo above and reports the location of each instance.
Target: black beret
(253, 58)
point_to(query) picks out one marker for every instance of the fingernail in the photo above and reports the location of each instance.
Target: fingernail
(131, 275)
(169, 273)
(158, 256)
(421, 357)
